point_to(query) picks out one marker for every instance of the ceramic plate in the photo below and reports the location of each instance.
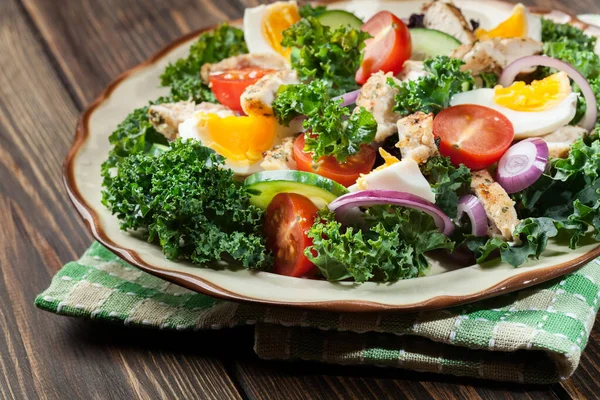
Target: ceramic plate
(445, 286)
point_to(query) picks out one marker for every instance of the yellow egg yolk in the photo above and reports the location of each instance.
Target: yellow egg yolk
(513, 26)
(538, 96)
(277, 18)
(239, 138)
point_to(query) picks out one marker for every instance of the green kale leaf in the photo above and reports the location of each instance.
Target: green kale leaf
(332, 129)
(309, 11)
(554, 32)
(448, 182)
(333, 55)
(432, 92)
(183, 77)
(489, 79)
(390, 247)
(186, 201)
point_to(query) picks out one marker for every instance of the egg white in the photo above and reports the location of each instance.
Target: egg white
(525, 124)
(253, 21)
(191, 129)
(534, 26)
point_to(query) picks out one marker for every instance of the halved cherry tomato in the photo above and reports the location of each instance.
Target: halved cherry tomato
(345, 174)
(389, 47)
(229, 85)
(473, 135)
(288, 219)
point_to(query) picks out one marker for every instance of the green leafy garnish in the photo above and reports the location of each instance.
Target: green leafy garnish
(489, 79)
(309, 11)
(185, 200)
(432, 92)
(183, 77)
(333, 129)
(333, 55)
(389, 248)
(554, 32)
(447, 182)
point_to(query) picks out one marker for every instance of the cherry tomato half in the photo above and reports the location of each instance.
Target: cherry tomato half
(229, 85)
(473, 135)
(288, 219)
(389, 47)
(345, 174)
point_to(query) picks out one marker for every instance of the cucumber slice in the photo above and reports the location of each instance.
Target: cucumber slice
(263, 186)
(335, 18)
(429, 43)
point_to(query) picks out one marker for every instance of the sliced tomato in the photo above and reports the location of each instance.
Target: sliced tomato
(229, 85)
(288, 219)
(473, 135)
(345, 174)
(389, 47)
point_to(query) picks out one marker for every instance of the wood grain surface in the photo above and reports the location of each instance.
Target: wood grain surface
(55, 58)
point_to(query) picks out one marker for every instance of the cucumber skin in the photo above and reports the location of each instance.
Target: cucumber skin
(263, 186)
(335, 18)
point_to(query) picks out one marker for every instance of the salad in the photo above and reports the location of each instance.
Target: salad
(312, 143)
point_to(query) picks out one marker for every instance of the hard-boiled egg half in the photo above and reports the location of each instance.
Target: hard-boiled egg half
(402, 176)
(521, 23)
(264, 26)
(534, 110)
(241, 140)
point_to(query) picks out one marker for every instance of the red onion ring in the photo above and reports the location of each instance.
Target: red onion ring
(367, 198)
(522, 164)
(470, 205)
(349, 98)
(512, 70)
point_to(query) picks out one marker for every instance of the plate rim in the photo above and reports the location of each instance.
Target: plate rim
(90, 217)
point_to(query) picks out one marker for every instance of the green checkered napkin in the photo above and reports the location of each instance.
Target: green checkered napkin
(534, 336)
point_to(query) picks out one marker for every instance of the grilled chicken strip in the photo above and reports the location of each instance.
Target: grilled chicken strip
(378, 98)
(166, 117)
(495, 54)
(446, 17)
(257, 60)
(499, 207)
(560, 141)
(416, 140)
(281, 157)
(257, 99)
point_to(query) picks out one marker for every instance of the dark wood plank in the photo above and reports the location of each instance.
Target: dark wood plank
(41, 355)
(91, 42)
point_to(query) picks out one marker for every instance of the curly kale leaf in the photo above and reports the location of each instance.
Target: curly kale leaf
(554, 32)
(389, 248)
(333, 130)
(308, 10)
(185, 200)
(183, 77)
(448, 182)
(432, 92)
(489, 79)
(534, 234)
(333, 55)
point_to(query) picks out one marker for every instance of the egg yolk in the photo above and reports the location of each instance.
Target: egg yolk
(239, 138)
(277, 18)
(514, 26)
(538, 96)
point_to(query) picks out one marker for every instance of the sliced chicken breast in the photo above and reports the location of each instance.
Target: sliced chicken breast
(281, 157)
(446, 17)
(560, 141)
(416, 140)
(377, 97)
(256, 60)
(495, 54)
(499, 207)
(257, 99)
(166, 117)
(412, 70)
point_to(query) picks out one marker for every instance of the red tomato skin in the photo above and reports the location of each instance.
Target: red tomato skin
(228, 86)
(389, 48)
(493, 136)
(288, 219)
(345, 174)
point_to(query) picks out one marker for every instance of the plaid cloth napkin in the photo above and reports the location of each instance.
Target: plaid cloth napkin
(532, 336)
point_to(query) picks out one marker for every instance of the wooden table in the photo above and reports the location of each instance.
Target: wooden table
(55, 58)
